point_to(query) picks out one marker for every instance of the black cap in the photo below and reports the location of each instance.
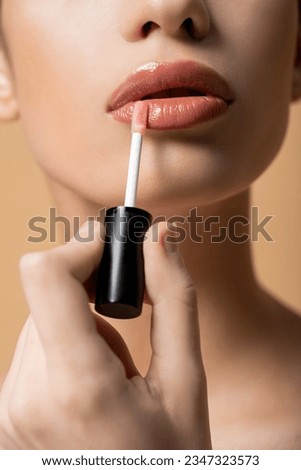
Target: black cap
(120, 278)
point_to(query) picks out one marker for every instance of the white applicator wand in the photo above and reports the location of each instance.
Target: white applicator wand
(139, 123)
(120, 279)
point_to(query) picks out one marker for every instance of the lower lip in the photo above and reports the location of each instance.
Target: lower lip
(176, 113)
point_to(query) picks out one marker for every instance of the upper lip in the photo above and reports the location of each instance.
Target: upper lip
(156, 77)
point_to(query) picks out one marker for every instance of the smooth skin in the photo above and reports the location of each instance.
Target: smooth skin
(72, 371)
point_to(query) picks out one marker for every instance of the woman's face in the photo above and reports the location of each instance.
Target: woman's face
(68, 57)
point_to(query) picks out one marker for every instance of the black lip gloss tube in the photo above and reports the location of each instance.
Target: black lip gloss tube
(120, 278)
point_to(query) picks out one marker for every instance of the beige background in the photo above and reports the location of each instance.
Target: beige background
(24, 194)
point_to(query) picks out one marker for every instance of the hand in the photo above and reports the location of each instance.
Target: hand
(73, 384)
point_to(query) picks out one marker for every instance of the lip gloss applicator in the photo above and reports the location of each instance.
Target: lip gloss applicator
(120, 277)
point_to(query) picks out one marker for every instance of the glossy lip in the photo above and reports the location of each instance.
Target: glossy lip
(203, 95)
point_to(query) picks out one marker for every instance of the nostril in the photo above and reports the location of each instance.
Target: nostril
(148, 28)
(189, 28)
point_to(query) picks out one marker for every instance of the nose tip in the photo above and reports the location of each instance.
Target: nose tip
(181, 19)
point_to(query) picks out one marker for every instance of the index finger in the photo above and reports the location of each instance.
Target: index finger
(52, 282)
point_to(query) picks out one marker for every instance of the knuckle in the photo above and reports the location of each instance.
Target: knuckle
(36, 265)
(27, 419)
(72, 398)
(190, 294)
(93, 394)
(30, 263)
(187, 293)
(183, 284)
(14, 414)
(21, 412)
(68, 399)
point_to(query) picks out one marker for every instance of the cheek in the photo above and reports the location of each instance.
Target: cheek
(262, 67)
(63, 82)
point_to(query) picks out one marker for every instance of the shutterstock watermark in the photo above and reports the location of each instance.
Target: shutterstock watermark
(238, 229)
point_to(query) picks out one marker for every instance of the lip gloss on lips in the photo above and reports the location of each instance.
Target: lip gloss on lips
(179, 95)
(120, 278)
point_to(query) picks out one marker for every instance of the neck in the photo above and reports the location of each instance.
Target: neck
(222, 272)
